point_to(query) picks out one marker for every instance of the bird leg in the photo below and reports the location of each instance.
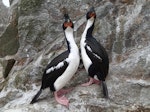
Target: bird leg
(63, 91)
(60, 98)
(91, 81)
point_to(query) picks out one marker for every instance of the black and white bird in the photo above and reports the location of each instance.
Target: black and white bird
(94, 56)
(61, 69)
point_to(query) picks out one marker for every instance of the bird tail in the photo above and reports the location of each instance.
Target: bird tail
(36, 96)
(105, 90)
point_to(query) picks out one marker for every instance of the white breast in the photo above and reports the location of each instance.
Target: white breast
(86, 60)
(73, 61)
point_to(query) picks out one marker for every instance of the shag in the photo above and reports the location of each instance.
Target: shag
(61, 69)
(94, 56)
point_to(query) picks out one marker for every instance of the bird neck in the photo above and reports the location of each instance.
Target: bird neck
(89, 28)
(72, 47)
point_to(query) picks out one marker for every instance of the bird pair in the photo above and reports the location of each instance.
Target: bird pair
(63, 67)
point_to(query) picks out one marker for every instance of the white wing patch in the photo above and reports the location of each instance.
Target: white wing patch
(55, 67)
(88, 47)
(97, 56)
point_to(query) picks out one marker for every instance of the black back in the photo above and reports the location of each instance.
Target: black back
(49, 79)
(99, 65)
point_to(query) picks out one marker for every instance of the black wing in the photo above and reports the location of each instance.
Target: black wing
(97, 48)
(98, 56)
(52, 72)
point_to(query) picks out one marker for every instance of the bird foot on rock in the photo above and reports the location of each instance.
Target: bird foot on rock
(91, 81)
(60, 98)
(64, 91)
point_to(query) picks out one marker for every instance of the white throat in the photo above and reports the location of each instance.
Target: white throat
(70, 39)
(88, 25)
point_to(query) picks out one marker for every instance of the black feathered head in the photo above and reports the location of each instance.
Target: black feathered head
(91, 13)
(68, 22)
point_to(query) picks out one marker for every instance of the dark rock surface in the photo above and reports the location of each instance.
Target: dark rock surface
(122, 27)
(3, 17)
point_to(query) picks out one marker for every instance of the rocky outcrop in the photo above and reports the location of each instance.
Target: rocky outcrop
(3, 17)
(9, 41)
(122, 27)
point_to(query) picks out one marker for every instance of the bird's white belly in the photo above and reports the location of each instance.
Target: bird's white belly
(69, 72)
(86, 60)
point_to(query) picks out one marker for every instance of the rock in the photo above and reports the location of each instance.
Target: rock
(4, 17)
(10, 64)
(122, 27)
(9, 41)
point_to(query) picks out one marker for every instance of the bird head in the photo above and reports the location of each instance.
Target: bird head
(91, 13)
(68, 22)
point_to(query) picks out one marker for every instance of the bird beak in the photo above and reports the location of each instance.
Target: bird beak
(92, 9)
(67, 18)
(68, 21)
(92, 12)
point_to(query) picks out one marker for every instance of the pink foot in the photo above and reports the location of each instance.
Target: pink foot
(63, 91)
(96, 82)
(61, 99)
(91, 81)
